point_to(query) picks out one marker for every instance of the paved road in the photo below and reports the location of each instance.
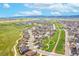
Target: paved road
(67, 49)
(31, 39)
(47, 53)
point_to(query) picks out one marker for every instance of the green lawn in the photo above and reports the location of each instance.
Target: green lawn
(53, 41)
(50, 41)
(9, 33)
(61, 44)
(60, 26)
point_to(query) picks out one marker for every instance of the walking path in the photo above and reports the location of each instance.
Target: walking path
(57, 40)
(15, 51)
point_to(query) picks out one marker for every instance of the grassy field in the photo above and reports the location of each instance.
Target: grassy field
(9, 33)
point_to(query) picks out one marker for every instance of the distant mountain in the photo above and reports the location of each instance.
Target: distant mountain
(72, 16)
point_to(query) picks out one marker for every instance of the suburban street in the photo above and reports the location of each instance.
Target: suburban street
(31, 39)
(67, 48)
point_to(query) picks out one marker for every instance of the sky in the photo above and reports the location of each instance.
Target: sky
(41, 9)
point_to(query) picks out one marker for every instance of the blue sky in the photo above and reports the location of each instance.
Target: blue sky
(34, 9)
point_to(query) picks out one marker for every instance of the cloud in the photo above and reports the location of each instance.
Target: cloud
(26, 4)
(17, 14)
(29, 13)
(55, 9)
(59, 7)
(37, 6)
(74, 10)
(6, 5)
(75, 4)
(33, 12)
(56, 14)
(64, 8)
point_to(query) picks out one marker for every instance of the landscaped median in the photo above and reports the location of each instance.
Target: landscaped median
(60, 49)
(61, 44)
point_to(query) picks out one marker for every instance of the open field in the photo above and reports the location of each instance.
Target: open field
(11, 21)
(9, 33)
